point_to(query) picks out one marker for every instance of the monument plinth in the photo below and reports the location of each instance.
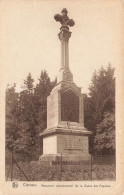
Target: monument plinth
(65, 133)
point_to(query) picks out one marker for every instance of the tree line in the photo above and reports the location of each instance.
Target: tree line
(26, 113)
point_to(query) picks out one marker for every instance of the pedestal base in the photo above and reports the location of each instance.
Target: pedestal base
(65, 157)
(72, 144)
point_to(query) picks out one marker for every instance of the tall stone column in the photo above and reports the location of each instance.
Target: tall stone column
(64, 35)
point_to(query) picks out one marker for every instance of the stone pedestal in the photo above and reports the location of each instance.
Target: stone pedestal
(72, 144)
(65, 133)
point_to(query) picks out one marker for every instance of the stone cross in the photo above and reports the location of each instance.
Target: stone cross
(64, 19)
(64, 35)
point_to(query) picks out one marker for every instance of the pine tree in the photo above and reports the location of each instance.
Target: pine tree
(28, 113)
(12, 117)
(29, 83)
(42, 91)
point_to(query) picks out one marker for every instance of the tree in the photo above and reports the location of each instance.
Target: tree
(12, 117)
(102, 92)
(29, 83)
(26, 114)
(20, 118)
(105, 134)
(101, 99)
(42, 90)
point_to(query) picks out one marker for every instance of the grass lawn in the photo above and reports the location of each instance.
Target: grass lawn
(38, 172)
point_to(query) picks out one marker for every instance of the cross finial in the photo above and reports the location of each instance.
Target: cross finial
(64, 19)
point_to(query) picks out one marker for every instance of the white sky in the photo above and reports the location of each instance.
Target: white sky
(29, 41)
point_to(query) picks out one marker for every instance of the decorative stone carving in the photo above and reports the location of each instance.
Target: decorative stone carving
(64, 19)
(64, 35)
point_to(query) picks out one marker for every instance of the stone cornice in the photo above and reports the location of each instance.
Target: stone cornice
(56, 130)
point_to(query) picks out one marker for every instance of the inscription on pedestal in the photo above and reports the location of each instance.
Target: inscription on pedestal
(73, 143)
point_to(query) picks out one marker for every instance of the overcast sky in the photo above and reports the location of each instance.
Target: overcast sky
(30, 42)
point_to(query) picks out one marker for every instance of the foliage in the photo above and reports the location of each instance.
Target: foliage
(35, 172)
(29, 83)
(100, 100)
(26, 113)
(105, 133)
(12, 117)
(42, 90)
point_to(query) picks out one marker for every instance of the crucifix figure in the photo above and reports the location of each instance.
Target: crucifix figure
(64, 35)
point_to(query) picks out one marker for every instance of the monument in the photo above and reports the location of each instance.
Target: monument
(65, 134)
